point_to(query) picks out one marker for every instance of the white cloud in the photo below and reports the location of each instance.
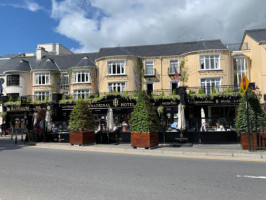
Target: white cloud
(26, 4)
(102, 23)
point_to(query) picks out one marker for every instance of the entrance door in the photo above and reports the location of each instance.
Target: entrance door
(174, 85)
(149, 88)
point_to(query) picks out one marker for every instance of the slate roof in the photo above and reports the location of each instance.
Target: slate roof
(85, 62)
(257, 34)
(162, 49)
(14, 65)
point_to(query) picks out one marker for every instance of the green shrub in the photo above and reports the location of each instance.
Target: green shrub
(10, 99)
(214, 90)
(81, 118)
(144, 117)
(135, 94)
(228, 89)
(174, 93)
(190, 92)
(255, 112)
(162, 94)
(200, 91)
(241, 91)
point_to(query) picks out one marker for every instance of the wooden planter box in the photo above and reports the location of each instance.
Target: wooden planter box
(144, 140)
(259, 140)
(82, 137)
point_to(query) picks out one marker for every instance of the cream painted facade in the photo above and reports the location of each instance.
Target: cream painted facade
(257, 68)
(162, 80)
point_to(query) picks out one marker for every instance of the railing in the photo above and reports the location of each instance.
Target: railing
(149, 72)
(209, 90)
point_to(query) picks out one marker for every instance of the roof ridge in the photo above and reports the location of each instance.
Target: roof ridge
(252, 30)
(150, 45)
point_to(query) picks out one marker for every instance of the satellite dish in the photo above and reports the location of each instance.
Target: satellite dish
(2, 80)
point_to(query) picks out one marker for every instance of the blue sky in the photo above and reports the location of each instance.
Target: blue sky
(87, 25)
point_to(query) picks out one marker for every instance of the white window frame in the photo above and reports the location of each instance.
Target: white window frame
(113, 66)
(114, 85)
(87, 76)
(84, 93)
(150, 64)
(45, 75)
(242, 68)
(172, 66)
(206, 60)
(42, 95)
(62, 76)
(210, 80)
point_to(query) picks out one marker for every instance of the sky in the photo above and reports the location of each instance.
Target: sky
(87, 25)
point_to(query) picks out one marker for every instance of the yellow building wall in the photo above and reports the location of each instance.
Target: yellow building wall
(257, 70)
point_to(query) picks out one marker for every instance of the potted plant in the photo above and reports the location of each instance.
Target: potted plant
(144, 123)
(255, 114)
(81, 124)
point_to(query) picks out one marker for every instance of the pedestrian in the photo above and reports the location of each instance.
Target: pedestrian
(204, 127)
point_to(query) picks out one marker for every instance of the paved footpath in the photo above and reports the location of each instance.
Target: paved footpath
(204, 151)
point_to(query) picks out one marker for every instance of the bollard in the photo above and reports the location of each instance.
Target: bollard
(12, 134)
(21, 136)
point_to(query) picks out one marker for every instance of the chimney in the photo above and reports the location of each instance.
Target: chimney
(40, 52)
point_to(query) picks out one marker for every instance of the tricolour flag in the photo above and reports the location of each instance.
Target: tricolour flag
(176, 75)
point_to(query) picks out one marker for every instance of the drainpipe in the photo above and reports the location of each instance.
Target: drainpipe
(161, 73)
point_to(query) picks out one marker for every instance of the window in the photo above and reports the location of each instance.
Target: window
(14, 96)
(12, 80)
(240, 68)
(173, 66)
(82, 77)
(116, 67)
(41, 95)
(117, 86)
(149, 68)
(65, 79)
(209, 62)
(83, 94)
(42, 78)
(207, 85)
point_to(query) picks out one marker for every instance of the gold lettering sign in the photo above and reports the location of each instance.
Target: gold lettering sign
(15, 108)
(115, 102)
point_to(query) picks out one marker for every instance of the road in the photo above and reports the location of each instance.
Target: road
(35, 174)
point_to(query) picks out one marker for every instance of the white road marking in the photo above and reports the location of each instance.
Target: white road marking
(255, 177)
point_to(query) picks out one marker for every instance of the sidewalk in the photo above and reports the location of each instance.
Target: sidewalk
(200, 151)
(204, 151)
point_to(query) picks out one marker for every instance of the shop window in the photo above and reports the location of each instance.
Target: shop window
(207, 85)
(83, 94)
(209, 62)
(12, 80)
(117, 86)
(116, 67)
(42, 78)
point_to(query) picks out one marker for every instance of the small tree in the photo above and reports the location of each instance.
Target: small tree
(255, 112)
(81, 117)
(214, 90)
(183, 72)
(144, 117)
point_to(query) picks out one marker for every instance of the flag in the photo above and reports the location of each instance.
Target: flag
(1, 88)
(92, 83)
(176, 75)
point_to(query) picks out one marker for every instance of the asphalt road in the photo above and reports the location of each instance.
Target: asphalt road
(33, 173)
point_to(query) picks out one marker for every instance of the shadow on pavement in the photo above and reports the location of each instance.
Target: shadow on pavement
(8, 143)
